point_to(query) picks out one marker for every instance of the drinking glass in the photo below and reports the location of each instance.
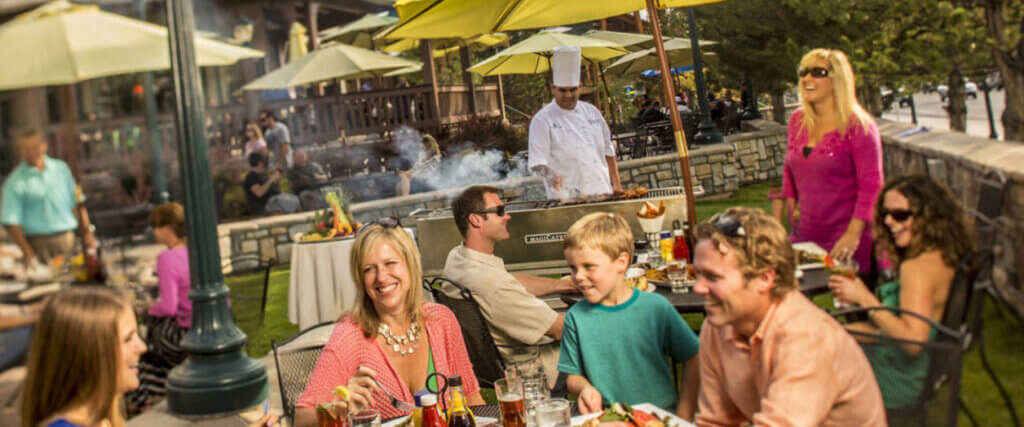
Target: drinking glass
(365, 418)
(512, 402)
(677, 277)
(847, 268)
(535, 391)
(553, 413)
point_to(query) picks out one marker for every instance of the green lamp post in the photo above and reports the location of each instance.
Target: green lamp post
(217, 378)
(707, 131)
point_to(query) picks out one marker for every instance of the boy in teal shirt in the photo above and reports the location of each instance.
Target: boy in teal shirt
(614, 344)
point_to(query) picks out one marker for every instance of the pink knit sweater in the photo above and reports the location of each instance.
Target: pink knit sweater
(348, 349)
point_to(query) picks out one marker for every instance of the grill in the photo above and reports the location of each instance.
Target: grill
(537, 229)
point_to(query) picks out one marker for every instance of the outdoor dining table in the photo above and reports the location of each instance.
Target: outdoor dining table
(320, 287)
(813, 282)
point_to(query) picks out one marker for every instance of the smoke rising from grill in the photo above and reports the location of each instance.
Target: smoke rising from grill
(463, 165)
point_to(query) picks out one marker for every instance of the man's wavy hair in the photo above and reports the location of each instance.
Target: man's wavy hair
(937, 221)
(765, 246)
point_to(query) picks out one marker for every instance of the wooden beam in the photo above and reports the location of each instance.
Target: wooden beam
(312, 10)
(639, 22)
(467, 77)
(430, 78)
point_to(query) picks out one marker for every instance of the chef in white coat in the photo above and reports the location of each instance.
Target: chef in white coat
(570, 143)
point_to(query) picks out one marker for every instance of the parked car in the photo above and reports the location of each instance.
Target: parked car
(970, 88)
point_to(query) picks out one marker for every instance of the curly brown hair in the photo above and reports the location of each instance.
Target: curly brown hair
(764, 245)
(938, 221)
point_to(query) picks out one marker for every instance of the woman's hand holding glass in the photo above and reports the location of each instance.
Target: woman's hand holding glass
(851, 291)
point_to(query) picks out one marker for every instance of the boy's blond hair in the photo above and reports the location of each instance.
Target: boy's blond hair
(607, 232)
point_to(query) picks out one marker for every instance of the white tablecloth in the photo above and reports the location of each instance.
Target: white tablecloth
(321, 286)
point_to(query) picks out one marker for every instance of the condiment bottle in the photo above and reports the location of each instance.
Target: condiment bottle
(431, 416)
(680, 250)
(459, 414)
(666, 246)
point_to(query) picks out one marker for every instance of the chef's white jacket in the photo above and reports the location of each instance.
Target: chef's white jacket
(574, 144)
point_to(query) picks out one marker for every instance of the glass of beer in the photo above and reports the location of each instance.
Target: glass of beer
(846, 268)
(512, 402)
(365, 418)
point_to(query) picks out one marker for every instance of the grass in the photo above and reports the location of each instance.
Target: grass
(1003, 338)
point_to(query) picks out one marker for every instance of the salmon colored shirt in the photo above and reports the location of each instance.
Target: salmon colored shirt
(348, 349)
(800, 368)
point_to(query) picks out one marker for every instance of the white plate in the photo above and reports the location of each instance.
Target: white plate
(674, 420)
(811, 266)
(810, 247)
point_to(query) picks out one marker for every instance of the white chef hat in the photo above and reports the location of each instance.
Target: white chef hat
(565, 66)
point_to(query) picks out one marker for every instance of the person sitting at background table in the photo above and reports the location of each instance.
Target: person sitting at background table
(768, 355)
(614, 342)
(920, 226)
(392, 338)
(170, 316)
(83, 358)
(833, 168)
(254, 141)
(428, 162)
(304, 177)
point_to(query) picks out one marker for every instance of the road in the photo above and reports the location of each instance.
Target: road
(930, 113)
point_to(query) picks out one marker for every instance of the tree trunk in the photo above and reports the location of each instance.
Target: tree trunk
(1011, 67)
(957, 103)
(778, 107)
(871, 97)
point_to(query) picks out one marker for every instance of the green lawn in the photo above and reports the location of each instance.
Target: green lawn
(1004, 341)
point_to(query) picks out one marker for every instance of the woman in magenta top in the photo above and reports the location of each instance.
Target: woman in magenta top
(170, 316)
(391, 338)
(833, 168)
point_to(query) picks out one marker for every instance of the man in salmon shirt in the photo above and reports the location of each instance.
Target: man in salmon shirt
(768, 355)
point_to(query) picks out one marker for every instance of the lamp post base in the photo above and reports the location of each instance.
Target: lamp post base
(209, 385)
(707, 133)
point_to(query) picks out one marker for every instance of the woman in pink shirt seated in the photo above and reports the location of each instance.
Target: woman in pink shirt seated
(170, 316)
(833, 168)
(392, 338)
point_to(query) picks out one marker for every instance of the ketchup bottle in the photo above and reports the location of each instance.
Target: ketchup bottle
(431, 416)
(680, 250)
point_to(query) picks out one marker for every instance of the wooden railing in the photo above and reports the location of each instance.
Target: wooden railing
(316, 120)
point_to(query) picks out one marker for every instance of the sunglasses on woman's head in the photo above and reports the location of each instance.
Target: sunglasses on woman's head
(818, 72)
(497, 210)
(385, 222)
(898, 215)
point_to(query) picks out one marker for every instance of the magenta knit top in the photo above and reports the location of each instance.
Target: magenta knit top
(840, 180)
(348, 349)
(172, 271)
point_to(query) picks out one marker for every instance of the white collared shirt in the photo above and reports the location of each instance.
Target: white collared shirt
(574, 144)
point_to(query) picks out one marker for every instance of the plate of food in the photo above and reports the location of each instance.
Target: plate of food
(636, 278)
(639, 415)
(809, 255)
(660, 276)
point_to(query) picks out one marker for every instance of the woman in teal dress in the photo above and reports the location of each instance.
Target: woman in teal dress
(920, 228)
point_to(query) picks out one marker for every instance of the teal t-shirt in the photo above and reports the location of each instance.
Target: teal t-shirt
(621, 350)
(40, 202)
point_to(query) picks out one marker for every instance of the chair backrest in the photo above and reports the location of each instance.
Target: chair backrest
(483, 353)
(294, 359)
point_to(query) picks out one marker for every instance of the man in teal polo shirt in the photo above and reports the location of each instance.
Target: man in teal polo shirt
(42, 206)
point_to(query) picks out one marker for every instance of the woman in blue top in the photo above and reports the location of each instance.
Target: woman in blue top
(84, 357)
(919, 226)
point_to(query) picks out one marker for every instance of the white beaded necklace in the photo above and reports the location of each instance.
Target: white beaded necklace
(398, 343)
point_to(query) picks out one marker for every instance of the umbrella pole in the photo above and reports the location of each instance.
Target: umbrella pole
(677, 122)
(71, 141)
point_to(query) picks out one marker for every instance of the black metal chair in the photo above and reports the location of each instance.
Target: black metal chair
(243, 267)
(938, 401)
(483, 352)
(294, 364)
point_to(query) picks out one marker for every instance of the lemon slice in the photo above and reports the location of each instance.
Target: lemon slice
(342, 393)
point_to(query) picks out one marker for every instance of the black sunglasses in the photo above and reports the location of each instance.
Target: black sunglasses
(497, 210)
(730, 226)
(385, 222)
(898, 215)
(818, 72)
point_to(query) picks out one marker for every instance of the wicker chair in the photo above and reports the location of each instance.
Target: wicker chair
(294, 359)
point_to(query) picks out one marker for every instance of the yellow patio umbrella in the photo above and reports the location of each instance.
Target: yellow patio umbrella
(336, 61)
(442, 47)
(631, 41)
(62, 43)
(533, 55)
(459, 18)
(679, 54)
(297, 42)
(403, 71)
(358, 33)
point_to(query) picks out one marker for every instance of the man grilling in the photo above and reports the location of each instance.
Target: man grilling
(570, 143)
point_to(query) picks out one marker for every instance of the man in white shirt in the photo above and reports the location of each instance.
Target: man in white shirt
(570, 143)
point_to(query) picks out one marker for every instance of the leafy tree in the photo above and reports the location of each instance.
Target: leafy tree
(1004, 24)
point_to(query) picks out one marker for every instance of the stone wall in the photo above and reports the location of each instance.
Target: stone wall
(743, 158)
(960, 161)
(719, 168)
